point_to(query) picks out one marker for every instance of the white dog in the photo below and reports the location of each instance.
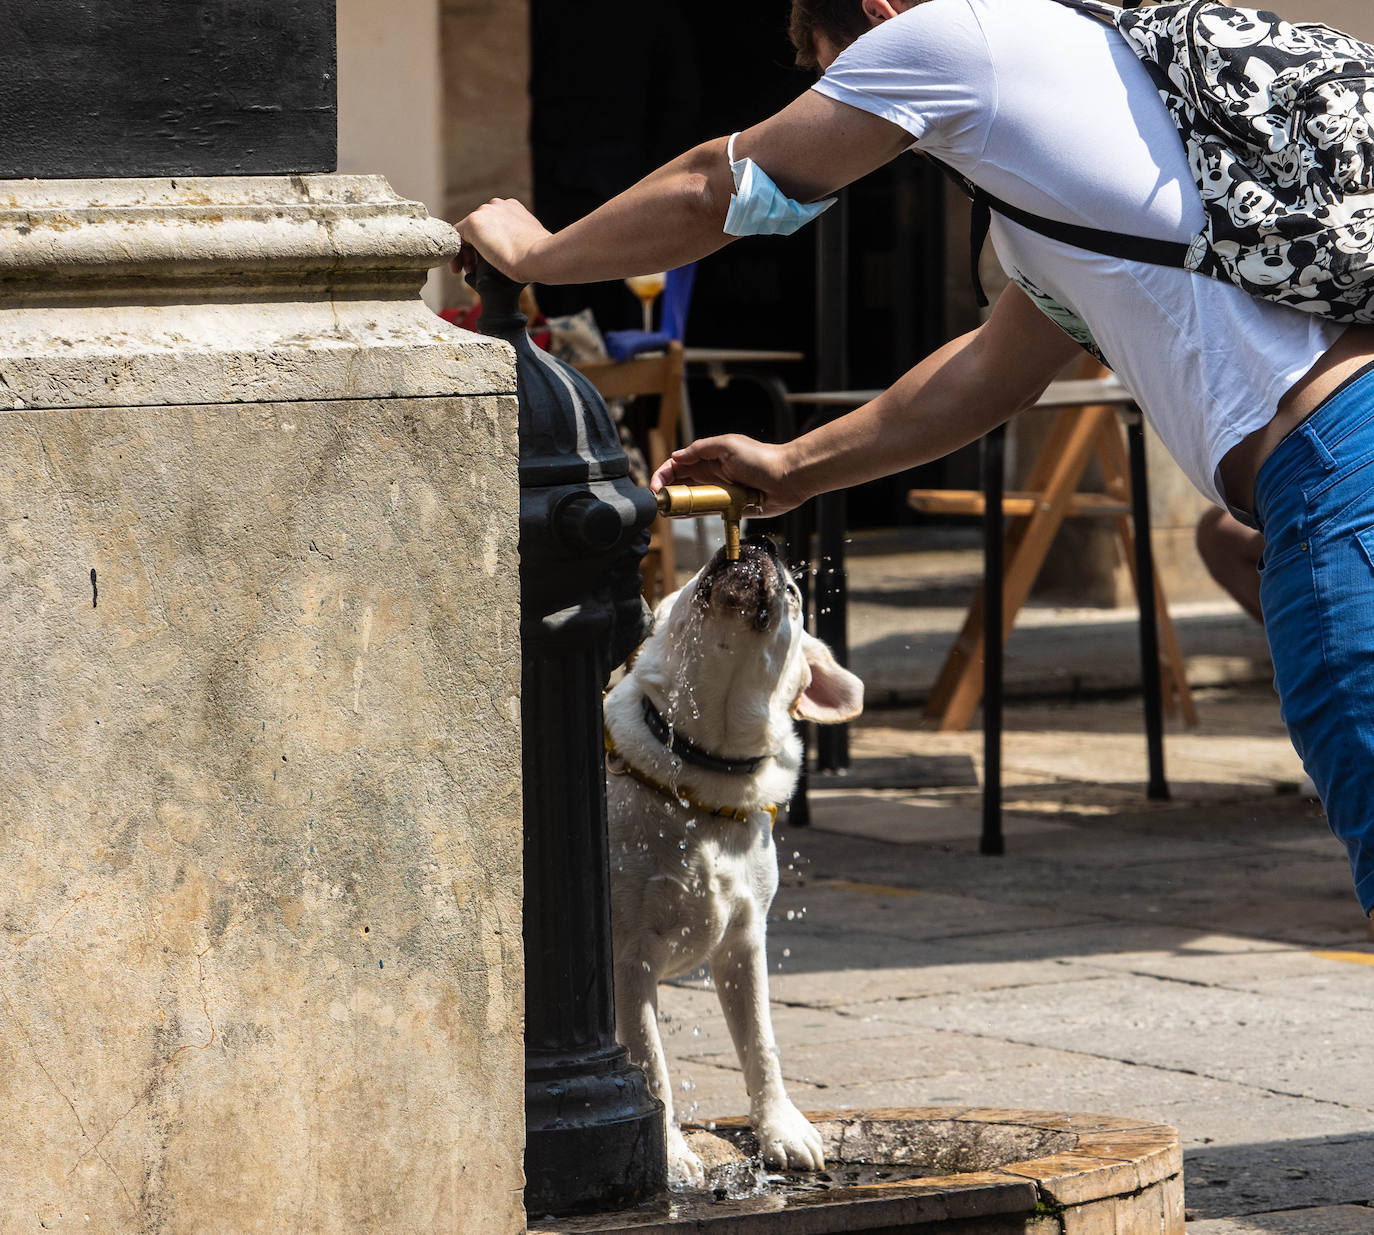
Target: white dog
(701, 751)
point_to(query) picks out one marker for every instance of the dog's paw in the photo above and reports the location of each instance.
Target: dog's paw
(787, 1139)
(684, 1167)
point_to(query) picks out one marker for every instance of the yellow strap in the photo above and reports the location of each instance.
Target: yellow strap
(725, 812)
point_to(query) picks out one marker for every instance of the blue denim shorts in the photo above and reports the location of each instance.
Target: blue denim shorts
(1314, 502)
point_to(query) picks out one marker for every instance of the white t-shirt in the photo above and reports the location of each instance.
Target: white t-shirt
(1051, 111)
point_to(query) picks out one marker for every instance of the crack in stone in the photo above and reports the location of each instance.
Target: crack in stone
(51, 926)
(1153, 1067)
(161, 1073)
(28, 1041)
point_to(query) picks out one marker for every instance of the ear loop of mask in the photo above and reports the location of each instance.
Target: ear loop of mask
(758, 207)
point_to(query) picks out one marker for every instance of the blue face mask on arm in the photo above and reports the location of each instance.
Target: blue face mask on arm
(758, 207)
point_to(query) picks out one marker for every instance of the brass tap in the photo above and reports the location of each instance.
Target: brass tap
(729, 501)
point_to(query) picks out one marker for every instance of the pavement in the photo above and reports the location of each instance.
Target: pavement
(1200, 961)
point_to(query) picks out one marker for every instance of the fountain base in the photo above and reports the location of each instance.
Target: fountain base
(933, 1169)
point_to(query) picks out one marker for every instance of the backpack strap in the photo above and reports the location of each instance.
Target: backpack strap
(1095, 8)
(1110, 244)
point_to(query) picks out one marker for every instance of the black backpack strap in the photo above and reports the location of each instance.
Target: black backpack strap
(1110, 244)
(1095, 8)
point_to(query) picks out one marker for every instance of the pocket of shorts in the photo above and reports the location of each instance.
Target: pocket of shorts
(1366, 539)
(1351, 485)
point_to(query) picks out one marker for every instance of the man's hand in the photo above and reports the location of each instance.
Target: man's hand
(951, 398)
(503, 232)
(737, 460)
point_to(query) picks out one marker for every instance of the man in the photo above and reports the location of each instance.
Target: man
(1048, 109)
(1232, 554)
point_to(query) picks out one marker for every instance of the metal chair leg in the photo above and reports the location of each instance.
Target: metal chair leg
(994, 451)
(1158, 787)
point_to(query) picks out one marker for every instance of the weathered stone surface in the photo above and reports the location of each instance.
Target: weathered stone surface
(259, 771)
(260, 950)
(111, 289)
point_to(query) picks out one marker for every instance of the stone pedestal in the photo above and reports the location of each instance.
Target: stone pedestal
(260, 947)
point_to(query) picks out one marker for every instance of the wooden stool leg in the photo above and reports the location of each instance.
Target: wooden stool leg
(1023, 564)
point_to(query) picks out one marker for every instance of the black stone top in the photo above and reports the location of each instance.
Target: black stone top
(166, 88)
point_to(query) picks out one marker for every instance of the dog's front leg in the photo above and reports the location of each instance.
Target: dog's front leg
(740, 970)
(636, 1019)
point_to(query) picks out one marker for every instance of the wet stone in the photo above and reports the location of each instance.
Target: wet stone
(996, 1172)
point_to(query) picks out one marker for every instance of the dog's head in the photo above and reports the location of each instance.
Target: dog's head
(734, 641)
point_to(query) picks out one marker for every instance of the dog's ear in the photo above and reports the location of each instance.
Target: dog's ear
(829, 693)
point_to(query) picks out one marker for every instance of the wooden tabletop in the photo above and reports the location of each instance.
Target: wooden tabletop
(738, 355)
(1081, 392)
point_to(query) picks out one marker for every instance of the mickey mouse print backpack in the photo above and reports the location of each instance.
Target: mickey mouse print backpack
(1278, 121)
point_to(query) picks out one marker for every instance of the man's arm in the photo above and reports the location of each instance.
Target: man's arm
(676, 214)
(951, 398)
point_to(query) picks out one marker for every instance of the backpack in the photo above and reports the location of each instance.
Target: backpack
(1278, 122)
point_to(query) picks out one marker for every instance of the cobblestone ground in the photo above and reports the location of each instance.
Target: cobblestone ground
(1200, 961)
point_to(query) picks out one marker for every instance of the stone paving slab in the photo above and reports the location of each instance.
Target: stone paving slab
(1343, 977)
(691, 1023)
(910, 1055)
(902, 821)
(1124, 944)
(953, 967)
(1274, 1043)
(1350, 988)
(1209, 1113)
(929, 915)
(1332, 1220)
(1246, 891)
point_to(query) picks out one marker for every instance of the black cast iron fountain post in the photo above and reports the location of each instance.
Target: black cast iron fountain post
(594, 1133)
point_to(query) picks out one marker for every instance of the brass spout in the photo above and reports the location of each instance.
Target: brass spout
(729, 501)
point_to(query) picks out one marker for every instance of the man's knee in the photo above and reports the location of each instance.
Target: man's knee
(1211, 536)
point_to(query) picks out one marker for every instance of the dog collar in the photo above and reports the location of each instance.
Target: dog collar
(616, 765)
(689, 751)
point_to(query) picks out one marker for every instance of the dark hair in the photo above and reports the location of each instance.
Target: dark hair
(842, 21)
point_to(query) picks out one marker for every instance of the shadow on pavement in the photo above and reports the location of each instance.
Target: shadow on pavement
(1247, 1179)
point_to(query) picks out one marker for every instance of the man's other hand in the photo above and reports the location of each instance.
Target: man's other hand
(737, 460)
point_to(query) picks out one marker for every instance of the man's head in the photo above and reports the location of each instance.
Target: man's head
(821, 29)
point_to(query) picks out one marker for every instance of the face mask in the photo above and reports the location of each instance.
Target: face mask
(758, 207)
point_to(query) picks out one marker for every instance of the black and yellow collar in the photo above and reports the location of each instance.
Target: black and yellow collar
(689, 752)
(617, 765)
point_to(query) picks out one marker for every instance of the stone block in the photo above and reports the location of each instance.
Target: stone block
(1074, 1178)
(1142, 1214)
(261, 966)
(1092, 1218)
(260, 772)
